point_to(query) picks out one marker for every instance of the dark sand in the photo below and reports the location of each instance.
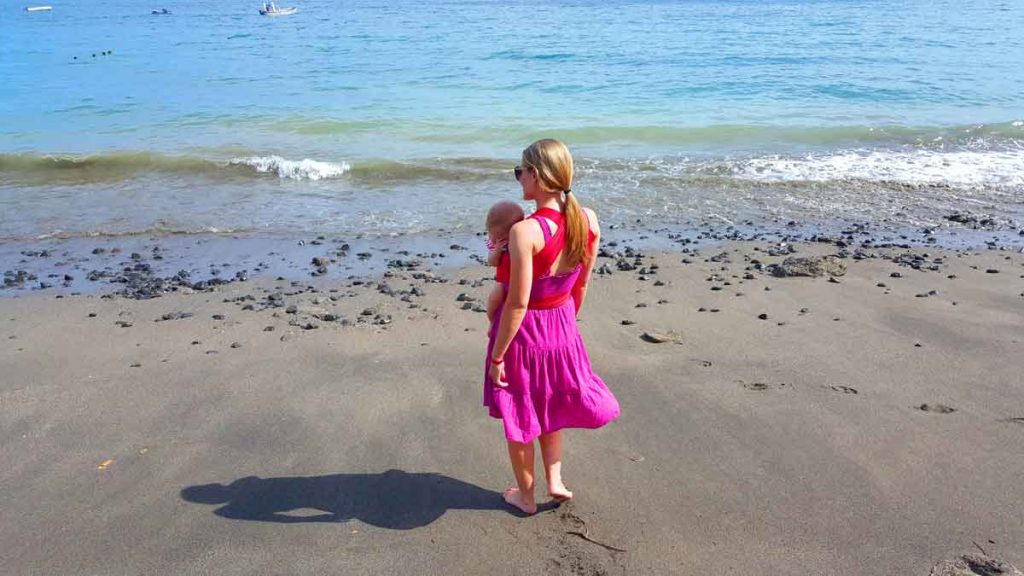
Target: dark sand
(794, 444)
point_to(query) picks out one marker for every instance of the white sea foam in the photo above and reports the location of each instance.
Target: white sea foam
(969, 169)
(295, 169)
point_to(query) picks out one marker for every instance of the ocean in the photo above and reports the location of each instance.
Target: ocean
(399, 117)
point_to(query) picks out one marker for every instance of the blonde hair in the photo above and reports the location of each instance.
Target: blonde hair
(552, 162)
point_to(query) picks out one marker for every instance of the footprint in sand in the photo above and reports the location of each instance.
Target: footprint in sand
(661, 337)
(761, 386)
(936, 408)
(844, 389)
(974, 564)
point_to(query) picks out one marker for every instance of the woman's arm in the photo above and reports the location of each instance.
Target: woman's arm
(579, 290)
(520, 281)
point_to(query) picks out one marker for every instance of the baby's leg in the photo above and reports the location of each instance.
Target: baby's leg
(495, 300)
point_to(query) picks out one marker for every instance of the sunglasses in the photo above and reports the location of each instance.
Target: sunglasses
(518, 171)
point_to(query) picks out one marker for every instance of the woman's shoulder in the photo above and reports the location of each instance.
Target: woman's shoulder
(526, 230)
(592, 220)
(526, 226)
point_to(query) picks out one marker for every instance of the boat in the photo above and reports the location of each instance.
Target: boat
(38, 8)
(271, 9)
(162, 11)
(280, 11)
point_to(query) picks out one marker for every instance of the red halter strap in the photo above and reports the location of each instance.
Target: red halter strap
(553, 245)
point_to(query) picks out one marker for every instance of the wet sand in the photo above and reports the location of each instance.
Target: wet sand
(861, 423)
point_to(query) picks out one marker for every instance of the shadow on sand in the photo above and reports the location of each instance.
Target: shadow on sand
(393, 499)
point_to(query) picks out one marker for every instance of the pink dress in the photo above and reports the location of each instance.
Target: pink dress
(550, 382)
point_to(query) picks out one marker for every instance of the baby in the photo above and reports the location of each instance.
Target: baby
(500, 219)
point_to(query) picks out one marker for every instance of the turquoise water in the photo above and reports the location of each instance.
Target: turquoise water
(386, 117)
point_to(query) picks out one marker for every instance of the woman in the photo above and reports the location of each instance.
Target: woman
(538, 377)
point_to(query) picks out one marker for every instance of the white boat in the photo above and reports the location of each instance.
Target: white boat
(38, 8)
(280, 11)
(271, 9)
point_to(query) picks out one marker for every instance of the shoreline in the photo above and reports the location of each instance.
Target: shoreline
(147, 265)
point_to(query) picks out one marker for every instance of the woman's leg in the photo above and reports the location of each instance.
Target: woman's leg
(551, 452)
(521, 455)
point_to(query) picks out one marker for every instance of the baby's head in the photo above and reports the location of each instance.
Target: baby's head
(500, 219)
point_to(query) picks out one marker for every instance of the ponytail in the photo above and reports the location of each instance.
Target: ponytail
(577, 231)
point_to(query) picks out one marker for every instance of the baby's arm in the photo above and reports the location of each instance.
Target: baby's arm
(496, 249)
(494, 301)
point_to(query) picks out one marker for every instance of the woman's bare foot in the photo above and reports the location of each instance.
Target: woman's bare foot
(559, 493)
(516, 498)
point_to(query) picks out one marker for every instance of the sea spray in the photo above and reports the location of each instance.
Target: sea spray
(298, 170)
